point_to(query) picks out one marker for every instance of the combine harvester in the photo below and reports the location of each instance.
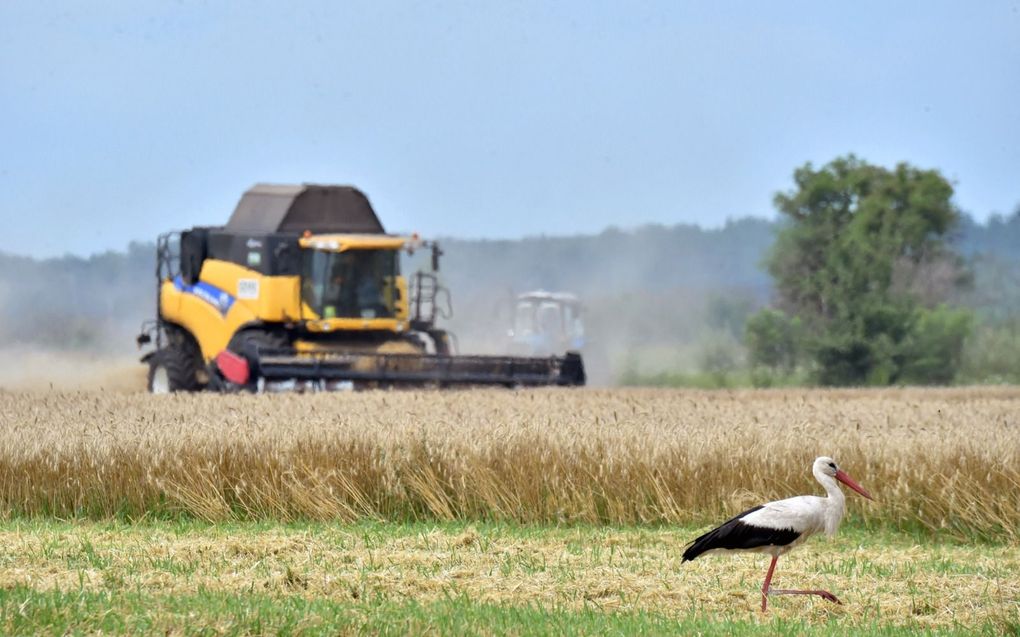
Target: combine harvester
(302, 290)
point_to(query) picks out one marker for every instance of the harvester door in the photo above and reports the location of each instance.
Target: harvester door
(194, 250)
(314, 276)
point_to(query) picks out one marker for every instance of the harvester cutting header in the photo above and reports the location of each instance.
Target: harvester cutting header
(302, 289)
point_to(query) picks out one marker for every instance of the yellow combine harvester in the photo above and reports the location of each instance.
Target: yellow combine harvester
(302, 289)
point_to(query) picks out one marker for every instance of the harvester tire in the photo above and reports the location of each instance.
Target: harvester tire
(176, 366)
(172, 370)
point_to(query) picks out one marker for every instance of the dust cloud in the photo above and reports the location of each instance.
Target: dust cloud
(655, 299)
(26, 369)
(69, 323)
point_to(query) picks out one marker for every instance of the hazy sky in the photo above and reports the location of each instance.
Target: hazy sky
(119, 120)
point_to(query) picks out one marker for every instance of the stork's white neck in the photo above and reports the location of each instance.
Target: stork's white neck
(836, 502)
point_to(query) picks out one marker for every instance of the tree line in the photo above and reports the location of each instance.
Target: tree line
(870, 275)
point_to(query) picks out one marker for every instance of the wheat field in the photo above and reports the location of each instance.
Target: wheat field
(945, 460)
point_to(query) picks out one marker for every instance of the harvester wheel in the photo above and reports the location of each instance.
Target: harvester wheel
(176, 366)
(171, 370)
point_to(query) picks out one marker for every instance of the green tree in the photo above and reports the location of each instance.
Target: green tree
(771, 338)
(856, 262)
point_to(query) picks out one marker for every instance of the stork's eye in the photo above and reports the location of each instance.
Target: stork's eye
(832, 464)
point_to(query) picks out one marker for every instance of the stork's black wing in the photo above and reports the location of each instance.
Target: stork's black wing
(736, 534)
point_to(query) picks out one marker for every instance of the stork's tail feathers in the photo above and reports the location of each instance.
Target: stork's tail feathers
(735, 534)
(697, 547)
(714, 539)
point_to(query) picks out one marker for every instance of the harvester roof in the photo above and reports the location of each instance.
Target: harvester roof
(271, 208)
(543, 295)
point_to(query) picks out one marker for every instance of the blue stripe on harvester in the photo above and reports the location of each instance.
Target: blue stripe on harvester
(211, 294)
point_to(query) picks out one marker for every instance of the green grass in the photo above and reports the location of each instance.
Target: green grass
(241, 578)
(28, 612)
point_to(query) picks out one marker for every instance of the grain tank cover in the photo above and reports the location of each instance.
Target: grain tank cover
(269, 208)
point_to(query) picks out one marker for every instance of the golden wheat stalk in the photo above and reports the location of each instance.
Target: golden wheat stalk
(939, 459)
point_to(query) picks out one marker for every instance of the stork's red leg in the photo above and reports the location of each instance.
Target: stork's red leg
(823, 594)
(766, 587)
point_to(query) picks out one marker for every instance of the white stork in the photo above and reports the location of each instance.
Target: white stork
(777, 527)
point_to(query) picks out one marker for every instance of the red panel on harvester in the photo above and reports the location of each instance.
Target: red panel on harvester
(234, 367)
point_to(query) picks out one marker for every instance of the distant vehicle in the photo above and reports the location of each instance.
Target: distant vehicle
(547, 324)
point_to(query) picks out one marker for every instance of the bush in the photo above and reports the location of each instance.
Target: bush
(933, 351)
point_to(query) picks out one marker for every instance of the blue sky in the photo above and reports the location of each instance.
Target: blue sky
(119, 120)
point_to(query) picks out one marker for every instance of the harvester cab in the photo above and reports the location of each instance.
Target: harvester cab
(302, 289)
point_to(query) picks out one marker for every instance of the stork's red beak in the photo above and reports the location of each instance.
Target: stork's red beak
(850, 482)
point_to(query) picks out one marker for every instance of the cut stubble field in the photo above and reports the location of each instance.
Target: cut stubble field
(349, 578)
(498, 511)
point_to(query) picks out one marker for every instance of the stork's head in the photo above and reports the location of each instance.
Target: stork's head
(825, 465)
